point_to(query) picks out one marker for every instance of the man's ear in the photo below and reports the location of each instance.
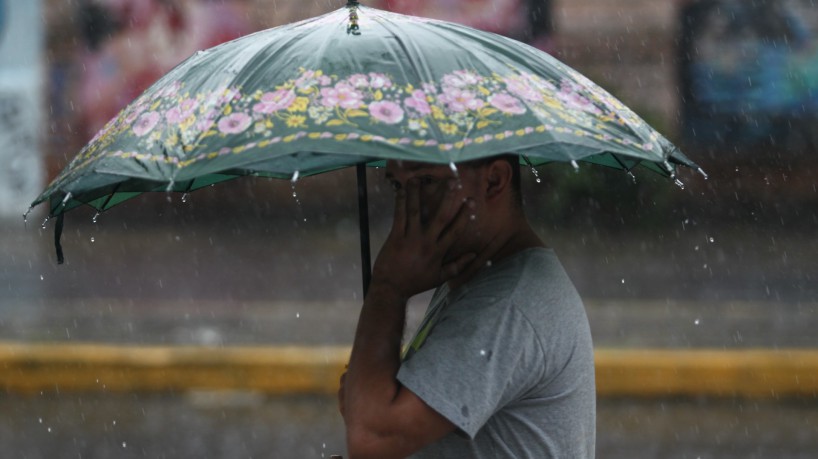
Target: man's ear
(498, 178)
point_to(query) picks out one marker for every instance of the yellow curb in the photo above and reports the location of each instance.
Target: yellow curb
(753, 373)
(34, 368)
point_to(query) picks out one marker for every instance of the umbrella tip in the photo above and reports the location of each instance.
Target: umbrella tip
(353, 27)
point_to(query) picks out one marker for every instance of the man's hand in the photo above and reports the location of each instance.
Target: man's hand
(416, 256)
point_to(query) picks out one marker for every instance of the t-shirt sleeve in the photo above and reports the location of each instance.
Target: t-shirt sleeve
(478, 357)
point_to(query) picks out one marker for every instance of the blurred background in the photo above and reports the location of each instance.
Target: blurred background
(726, 263)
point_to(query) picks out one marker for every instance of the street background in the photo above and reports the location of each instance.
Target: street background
(725, 263)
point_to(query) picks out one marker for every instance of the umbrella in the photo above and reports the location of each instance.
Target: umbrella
(353, 87)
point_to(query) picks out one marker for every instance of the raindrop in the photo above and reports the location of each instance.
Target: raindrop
(679, 183)
(697, 321)
(45, 222)
(488, 264)
(295, 195)
(42, 277)
(184, 197)
(482, 352)
(536, 174)
(710, 239)
(25, 215)
(94, 219)
(575, 165)
(623, 280)
(124, 445)
(297, 315)
(49, 430)
(296, 174)
(633, 177)
(472, 217)
(41, 420)
(453, 167)
(92, 239)
(704, 174)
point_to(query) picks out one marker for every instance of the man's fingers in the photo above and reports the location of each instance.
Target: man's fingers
(457, 224)
(449, 206)
(399, 216)
(412, 205)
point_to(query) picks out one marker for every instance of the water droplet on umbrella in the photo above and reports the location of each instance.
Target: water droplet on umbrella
(453, 167)
(575, 165)
(65, 199)
(296, 174)
(25, 215)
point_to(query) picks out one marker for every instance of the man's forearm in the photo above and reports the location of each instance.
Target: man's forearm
(375, 359)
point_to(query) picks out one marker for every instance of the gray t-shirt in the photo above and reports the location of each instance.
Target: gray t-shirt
(508, 359)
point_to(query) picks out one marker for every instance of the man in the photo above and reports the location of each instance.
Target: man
(502, 366)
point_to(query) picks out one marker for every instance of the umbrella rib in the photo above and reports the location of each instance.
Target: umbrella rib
(110, 196)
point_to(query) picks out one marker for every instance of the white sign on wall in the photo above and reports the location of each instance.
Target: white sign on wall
(21, 88)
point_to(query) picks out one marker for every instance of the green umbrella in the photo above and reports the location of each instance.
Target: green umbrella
(356, 86)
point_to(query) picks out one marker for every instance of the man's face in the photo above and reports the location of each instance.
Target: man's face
(433, 183)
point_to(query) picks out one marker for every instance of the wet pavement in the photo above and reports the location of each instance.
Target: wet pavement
(246, 425)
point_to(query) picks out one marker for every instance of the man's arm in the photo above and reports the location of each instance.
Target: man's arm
(384, 419)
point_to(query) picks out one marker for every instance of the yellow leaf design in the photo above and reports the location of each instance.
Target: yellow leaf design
(483, 90)
(335, 123)
(482, 124)
(378, 95)
(228, 110)
(355, 112)
(487, 111)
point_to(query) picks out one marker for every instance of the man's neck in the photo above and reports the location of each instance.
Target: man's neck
(501, 245)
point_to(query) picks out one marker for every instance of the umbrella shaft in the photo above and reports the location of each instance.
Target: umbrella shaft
(363, 222)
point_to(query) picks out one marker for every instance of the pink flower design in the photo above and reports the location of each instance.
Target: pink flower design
(342, 95)
(306, 80)
(275, 101)
(227, 95)
(379, 81)
(358, 80)
(170, 90)
(459, 100)
(578, 102)
(418, 102)
(429, 88)
(235, 123)
(386, 112)
(182, 112)
(146, 123)
(461, 79)
(507, 104)
(522, 89)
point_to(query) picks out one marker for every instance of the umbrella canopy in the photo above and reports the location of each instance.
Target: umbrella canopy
(352, 87)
